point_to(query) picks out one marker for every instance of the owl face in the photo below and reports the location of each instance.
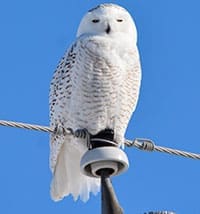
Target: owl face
(108, 20)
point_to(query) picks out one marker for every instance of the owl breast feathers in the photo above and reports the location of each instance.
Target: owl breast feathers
(95, 86)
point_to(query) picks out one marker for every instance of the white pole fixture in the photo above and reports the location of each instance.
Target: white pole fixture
(107, 157)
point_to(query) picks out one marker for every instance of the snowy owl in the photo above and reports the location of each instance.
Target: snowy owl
(95, 87)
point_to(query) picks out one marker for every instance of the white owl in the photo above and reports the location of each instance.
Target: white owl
(95, 87)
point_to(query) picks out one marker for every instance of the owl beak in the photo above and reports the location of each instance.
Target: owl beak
(108, 29)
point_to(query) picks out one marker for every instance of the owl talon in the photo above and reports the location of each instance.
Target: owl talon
(60, 130)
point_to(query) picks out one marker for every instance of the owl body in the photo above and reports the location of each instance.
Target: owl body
(95, 87)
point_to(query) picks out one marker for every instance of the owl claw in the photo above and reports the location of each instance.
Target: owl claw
(60, 130)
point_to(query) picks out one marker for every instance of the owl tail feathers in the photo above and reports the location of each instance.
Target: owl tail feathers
(68, 178)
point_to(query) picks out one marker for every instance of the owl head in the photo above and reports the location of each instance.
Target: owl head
(108, 20)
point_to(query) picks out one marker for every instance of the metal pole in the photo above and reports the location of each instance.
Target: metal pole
(109, 202)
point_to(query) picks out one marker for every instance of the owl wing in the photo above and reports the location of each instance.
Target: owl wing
(66, 151)
(59, 98)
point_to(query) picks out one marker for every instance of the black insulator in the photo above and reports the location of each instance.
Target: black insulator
(103, 138)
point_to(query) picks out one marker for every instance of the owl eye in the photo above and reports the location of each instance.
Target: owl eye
(95, 20)
(119, 20)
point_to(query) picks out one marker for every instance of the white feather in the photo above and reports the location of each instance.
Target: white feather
(67, 176)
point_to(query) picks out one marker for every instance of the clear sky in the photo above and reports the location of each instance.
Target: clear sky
(33, 37)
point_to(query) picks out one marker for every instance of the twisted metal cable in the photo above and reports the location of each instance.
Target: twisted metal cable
(148, 145)
(26, 126)
(140, 143)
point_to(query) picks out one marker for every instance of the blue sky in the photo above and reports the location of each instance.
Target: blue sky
(33, 37)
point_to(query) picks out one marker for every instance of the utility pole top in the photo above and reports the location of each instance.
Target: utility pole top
(103, 160)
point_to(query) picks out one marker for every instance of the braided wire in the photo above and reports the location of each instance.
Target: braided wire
(140, 143)
(26, 126)
(148, 145)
